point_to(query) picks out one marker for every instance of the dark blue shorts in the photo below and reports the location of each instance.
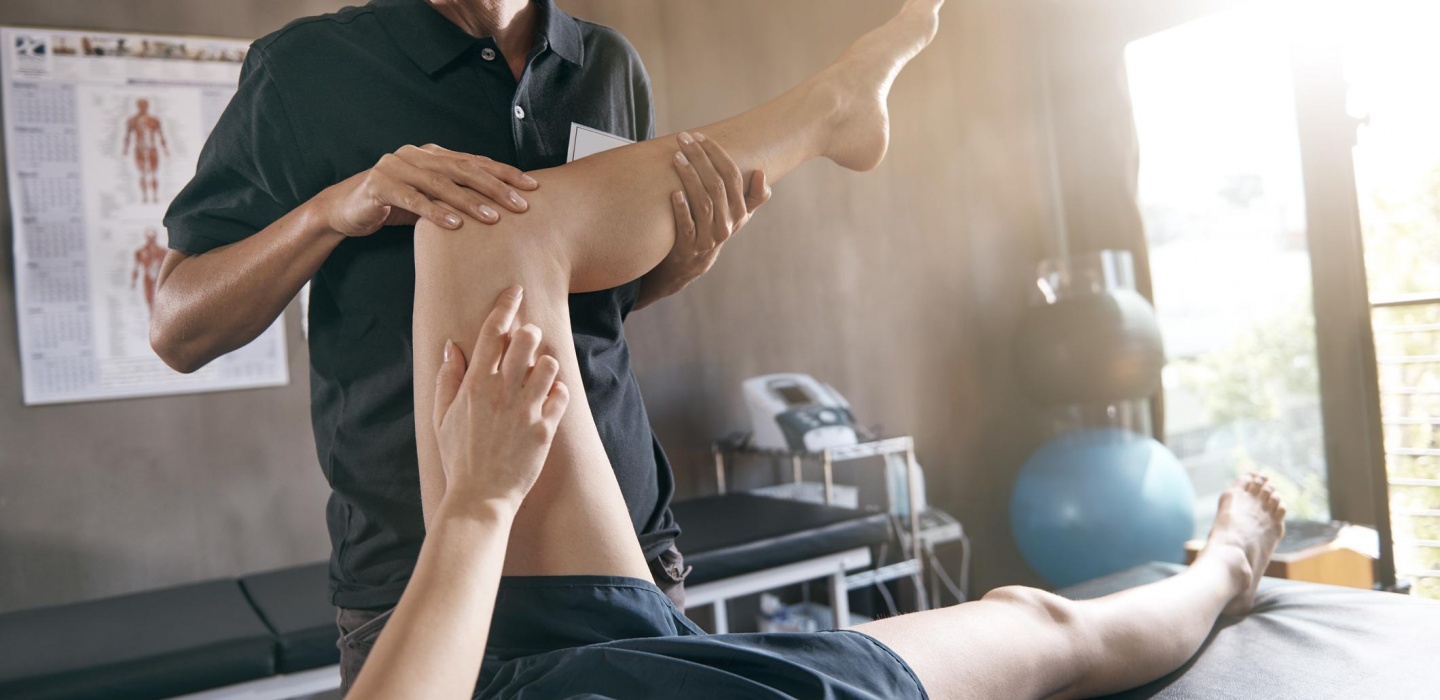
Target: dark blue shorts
(594, 637)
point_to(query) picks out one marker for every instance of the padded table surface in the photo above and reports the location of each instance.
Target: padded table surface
(295, 604)
(1303, 641)
(147, 645)
(739, 533)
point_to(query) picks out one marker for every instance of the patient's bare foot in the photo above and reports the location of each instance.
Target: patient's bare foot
(1250, 521)
(859, 83)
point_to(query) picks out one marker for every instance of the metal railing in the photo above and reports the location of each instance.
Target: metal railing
(1408, 346)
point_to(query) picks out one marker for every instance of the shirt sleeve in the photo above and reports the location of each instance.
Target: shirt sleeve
(249, 171)
(644, 105)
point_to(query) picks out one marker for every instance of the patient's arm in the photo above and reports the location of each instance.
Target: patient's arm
(606, 220)
(497, 420)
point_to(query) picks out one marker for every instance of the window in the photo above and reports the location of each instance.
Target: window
(1390, 67)
(1221, 194)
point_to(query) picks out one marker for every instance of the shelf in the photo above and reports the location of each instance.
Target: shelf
(904, 569)
(872, 448)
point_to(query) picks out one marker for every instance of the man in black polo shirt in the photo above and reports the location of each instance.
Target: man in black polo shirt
(318, 151)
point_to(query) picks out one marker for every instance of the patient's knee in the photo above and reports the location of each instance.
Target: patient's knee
(1057, 633)
(511, 249)
(1047, 606)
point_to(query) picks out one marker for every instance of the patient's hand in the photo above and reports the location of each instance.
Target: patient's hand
(494, 419)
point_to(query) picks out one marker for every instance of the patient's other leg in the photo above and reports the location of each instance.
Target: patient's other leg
(1025, 643)
(604, 221)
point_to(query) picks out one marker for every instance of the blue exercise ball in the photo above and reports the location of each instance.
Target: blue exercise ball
(1096, 501)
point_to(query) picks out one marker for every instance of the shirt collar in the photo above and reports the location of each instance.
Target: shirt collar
(562, 32)
(433, 42)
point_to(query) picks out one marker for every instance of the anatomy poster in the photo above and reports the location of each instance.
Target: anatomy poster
(101, 132)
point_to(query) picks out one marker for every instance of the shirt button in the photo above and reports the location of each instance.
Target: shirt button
(519, 112)
(487, 53)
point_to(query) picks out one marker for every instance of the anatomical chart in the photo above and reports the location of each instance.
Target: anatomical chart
(101, 132)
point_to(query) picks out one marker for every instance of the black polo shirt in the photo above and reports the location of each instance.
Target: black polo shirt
(325, 98)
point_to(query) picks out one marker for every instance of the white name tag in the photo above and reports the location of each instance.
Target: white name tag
(585, 141)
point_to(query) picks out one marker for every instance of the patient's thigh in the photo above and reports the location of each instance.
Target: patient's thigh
(574, 521)
(982, 650)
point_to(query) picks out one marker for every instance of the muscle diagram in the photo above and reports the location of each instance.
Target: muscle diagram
(144, 132)
(147, 264)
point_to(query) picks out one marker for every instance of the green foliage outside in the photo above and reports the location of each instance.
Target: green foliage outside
(1402, 257)
(1260, 380)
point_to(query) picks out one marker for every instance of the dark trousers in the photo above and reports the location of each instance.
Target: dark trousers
(360, 628)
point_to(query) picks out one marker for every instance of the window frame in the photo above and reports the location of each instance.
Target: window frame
(1084, 38)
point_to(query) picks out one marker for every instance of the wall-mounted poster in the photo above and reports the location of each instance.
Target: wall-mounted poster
(101, 132)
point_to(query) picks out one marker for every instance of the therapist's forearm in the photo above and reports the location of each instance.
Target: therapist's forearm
(431, 648)
(209, 304)
(657, 285)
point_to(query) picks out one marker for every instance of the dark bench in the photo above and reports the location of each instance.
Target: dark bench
(231, 637)
(295, 605)
(272, 635)
(173, 641)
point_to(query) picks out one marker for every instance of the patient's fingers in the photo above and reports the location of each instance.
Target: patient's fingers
(555, 402)
(524, 344)
(490, 346)
(447, 382)
(537, 385)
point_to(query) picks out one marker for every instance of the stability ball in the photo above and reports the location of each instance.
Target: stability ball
(1097, 501)
(1090, 349)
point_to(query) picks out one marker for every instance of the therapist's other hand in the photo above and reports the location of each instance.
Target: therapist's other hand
(496, 417)
(424, 182)
(713, 204)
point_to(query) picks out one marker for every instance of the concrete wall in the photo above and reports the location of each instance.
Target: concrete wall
(901, 287)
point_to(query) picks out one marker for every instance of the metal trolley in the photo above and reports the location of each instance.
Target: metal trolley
(913, 566)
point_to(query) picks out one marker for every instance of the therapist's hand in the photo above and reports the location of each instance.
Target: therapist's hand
(496, 418)
(423, 182)
(713, 204)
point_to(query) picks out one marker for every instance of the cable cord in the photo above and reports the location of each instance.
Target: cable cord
(956, 590)
(880, 585)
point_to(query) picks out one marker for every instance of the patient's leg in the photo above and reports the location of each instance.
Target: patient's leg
(608, 218)
(1025, 643)
(604, 221)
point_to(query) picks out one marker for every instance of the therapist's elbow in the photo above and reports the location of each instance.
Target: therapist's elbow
(172, 350)
(172, 340)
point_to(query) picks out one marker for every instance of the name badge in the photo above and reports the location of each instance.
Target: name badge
(587, 141)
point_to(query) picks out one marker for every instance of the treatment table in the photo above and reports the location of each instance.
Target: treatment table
(272, 636)
(1303, 641)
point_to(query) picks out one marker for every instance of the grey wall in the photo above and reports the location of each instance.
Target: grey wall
(116, 496)
(901, 287)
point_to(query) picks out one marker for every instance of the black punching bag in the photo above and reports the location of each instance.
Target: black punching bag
(1098, 348)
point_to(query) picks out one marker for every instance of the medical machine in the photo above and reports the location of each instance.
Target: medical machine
(797, 413)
